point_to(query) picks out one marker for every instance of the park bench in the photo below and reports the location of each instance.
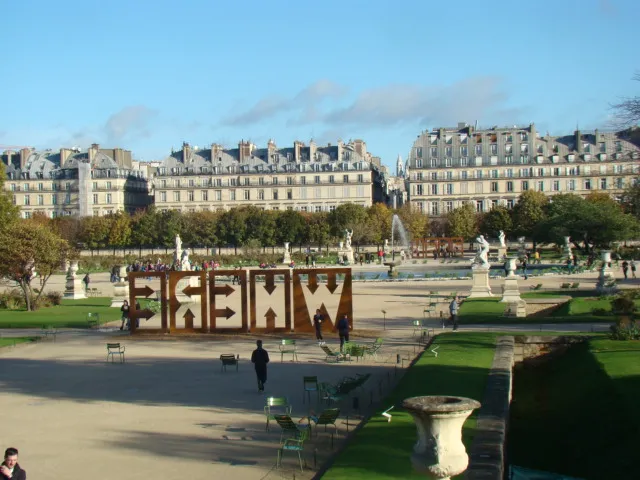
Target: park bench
(331, 354)
(288, 346)
(229, 360)
(49, 331)
(114, 349)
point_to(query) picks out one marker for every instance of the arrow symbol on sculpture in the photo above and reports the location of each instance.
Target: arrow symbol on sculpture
(270, 316)
(227, 290)
(269, 287)
(146, 313)
(331, 283)
(145, 292)
(313, 282)
(188, 317)
(190, 290)
(224, 312)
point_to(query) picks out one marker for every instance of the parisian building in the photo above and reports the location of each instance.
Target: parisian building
(448, 167)
(306, 178)
(68, 182)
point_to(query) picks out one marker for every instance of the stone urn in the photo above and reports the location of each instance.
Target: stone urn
(511, 266)
(73, 269)
(439, 452)
(606, 256)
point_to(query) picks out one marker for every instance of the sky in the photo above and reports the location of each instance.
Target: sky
(147, 75)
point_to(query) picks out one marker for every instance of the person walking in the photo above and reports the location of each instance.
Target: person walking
(86, 281)
(260, 358)
(633, 268)
(317, 323)
(524, 267)
(453, 310)
(10, 469)
(343, 330)
(125, 314)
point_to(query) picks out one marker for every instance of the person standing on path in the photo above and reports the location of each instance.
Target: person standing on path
(125, 314)
(343, 330)
(625, 269)
(260, 358)
(633, 268)
(317, 323)
(10, 468)
(453, 310)
(86, 281)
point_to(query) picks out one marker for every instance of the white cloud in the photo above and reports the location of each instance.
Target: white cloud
(129, 122)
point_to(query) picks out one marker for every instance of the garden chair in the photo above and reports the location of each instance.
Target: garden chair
(229, 359)
(353, 350)
(276, 406)
(331, 354)
(114, 349)
(327, 417)
(93, 319)
(49, 331)
(536, 287)
(565, 285)
(575, 285)
(295, 444)
(310, 384)
(288, 346)
(372, 349)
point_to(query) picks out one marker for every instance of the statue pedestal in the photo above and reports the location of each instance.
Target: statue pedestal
(606, 277)
(348, 253)
(516, 309)
(184, 283)
(511, 293)
(502, 252)
(74, 288)
(120, 293)
(287, 258)
(480, 286)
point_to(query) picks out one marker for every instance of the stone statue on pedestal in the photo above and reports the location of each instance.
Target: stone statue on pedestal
(502, 239)
(482, 257)
(348, 235)
(185, 263)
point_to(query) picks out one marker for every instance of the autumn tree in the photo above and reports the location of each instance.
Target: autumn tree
(463, 221)
(291, 227)
(27, 248)
(631, 198)
(9, 212)
(379, 218)
(415, 221)
(94, 232)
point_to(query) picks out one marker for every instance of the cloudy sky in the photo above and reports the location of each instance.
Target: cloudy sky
(148, 75)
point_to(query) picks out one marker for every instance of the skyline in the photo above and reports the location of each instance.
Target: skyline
(147, 77)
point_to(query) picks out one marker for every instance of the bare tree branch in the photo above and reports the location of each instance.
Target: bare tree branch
(627, 111)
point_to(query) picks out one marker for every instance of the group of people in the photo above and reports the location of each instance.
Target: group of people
(126, 315)
(625, 269)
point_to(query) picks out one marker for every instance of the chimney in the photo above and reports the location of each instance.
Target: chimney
(597, 136)
(578, 141)
(296, 150)
(216, 152)
(244, 150)
(340, 149)
(65, 153)
(24, 156)
(534, 135)
(186, 152)
(360, 148)
(271, 151)
(95, 148)
(313, 149)
(8, 154)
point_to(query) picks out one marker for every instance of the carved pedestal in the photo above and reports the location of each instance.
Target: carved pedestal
(74, 288)
(516, 309)
(120, 288)
(480, 286)
(511, 293)
(606, 277)
(348, 254)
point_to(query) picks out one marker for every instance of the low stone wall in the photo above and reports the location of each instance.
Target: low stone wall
(487, 453)
(532, 346)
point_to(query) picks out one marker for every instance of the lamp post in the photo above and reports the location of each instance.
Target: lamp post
(384, 319)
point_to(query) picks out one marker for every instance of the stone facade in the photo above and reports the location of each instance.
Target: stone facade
(450, 166)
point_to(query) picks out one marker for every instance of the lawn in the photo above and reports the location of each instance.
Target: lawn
(577, 414)
(381, 450)
(11, 341)
(577, 310)
(71, 314)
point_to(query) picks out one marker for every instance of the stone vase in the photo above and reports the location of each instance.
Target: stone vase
(439, 452)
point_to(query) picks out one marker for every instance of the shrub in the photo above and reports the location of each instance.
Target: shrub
(624, 303)
(624, 330)
(54, 298)
(599, 312)
(12, 300)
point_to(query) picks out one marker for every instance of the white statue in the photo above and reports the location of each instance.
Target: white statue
(178, 244)
(185, 263)
(482, 257)
(347, 243)
(502, 238)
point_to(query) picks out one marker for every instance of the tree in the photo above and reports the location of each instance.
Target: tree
(119, 230)
(347, 215)
(498, 218)
(627, 111)
(463, 222)
(68, 228)
(94, 232)
(261, 226)
(318, 228)
(169, 224)
(631, 198)
(199, 228)
(25, 248)
(232, 228)
(415, 221)
(290, 227)
(379, 218)
(9, 213)
(529, 212)
(144, 228)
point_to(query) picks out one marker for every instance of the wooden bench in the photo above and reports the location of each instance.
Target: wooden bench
(114, 349)
(229, 359)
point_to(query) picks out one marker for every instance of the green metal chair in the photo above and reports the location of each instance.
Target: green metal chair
(296, 444)
(331, 354)
(288, 346)
(327, 417)
(310, 384)
(276, 406)
(372, 349)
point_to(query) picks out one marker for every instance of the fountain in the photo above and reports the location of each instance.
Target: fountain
(396, 224)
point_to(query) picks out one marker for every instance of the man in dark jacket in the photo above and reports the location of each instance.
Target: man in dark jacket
(343, 330)
(10, 468)
(260, 358)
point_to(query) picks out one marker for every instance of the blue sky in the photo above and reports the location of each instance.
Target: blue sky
(147, 75)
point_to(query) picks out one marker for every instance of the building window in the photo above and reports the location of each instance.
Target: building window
(360, 178)
(494, 149)
(448, 207)
(95, 198)
(494, 173)
(603, 183)
(602, 147)
(204, 195)
(289, 194)
(434, 209)
(419, 152)
(464, 151)
(419, 190)
(163, 196)
(509, 172)
(303, 180)
(108, 186)
(494, 204)
(449, 188)
(192, 182)
(448, 162)
(219, 195)
(54, 200)
(318, 208)
(525, 185)
(434, 189)
(274, 181)
(478, 149)
(434, 151)
(434, 176)
(190, 196)
(316, 179)
(508, 159)
(332, 179)
(541, 186)
(509, 186)
(619, 183)
(67, 198)
(587, 184)
(448, 151)
(40, 199)
(247, 194)
(260, 194)
(109, 199)
(246, 181)
(464, 162)
(261, 181)
(494, 187)
(618, 146)
(509, 204)
(572, 185)
(464, 175)
(419, 163)
(275, 193)
(67, 186)
(232, 195)
(345, 179)
(480, 206)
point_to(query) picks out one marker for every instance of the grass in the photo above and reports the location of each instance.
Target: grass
(12, 341)
(71, 314)
(577, 414)
(381, 450)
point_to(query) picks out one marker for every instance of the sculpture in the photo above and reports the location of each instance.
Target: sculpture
(178, 245)
(482, 257)
(502, 238)
(185, 263)
(347, 243)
